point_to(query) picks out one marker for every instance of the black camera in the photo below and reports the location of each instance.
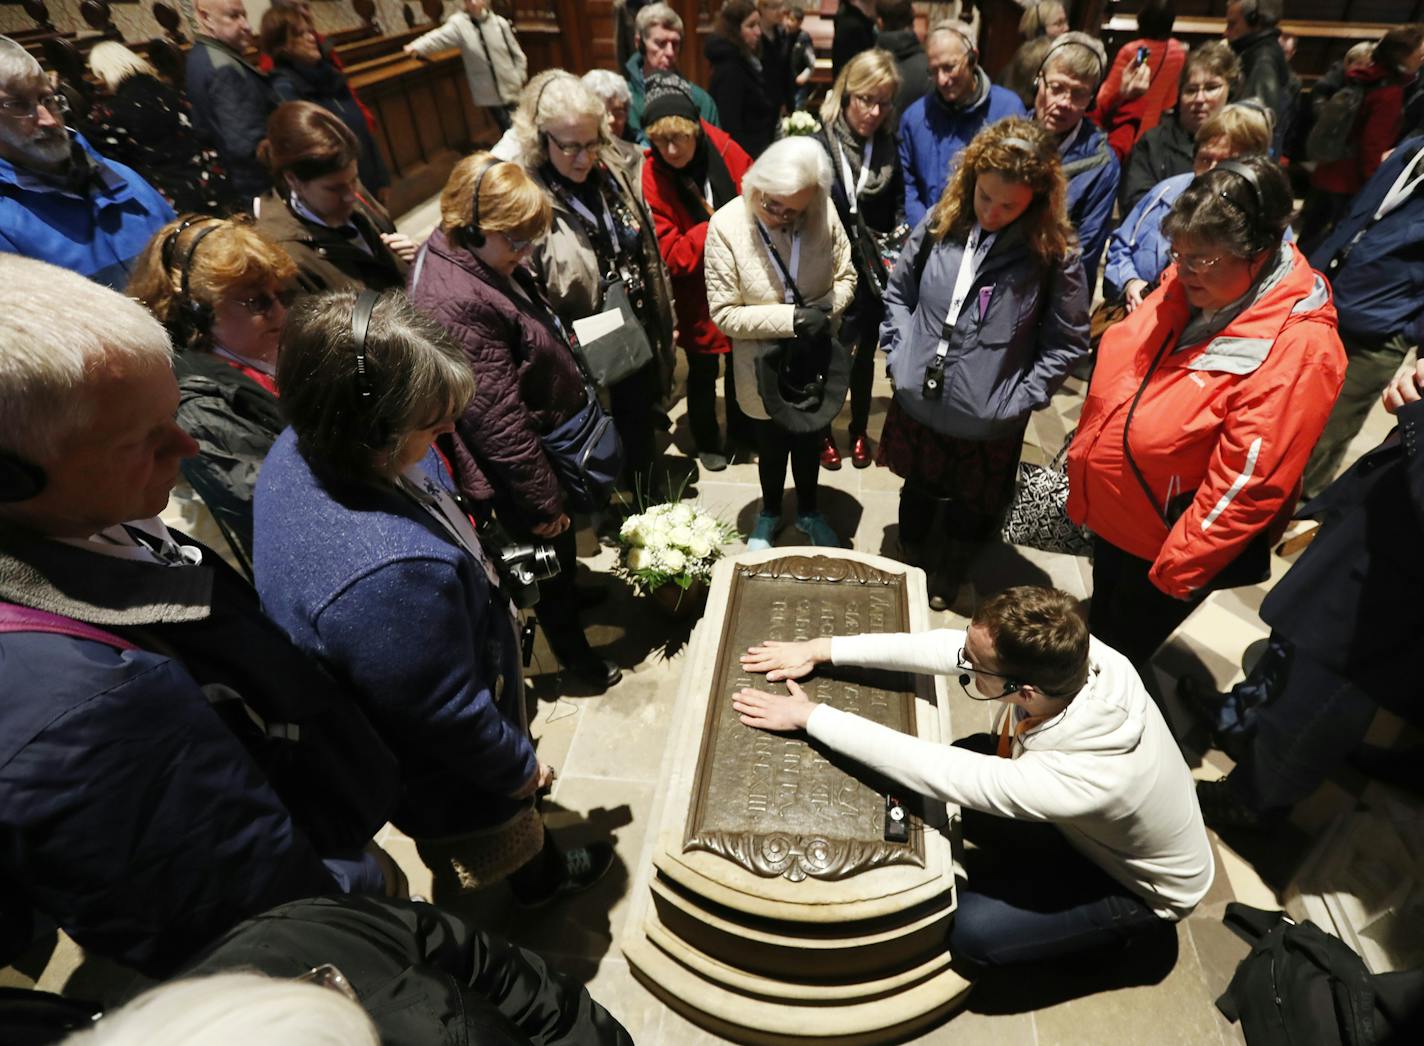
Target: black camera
(933, 387)
(522, 567)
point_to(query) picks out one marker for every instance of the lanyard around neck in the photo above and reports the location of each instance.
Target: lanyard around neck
(594, 223)
(793, 293)
(854, 194)
(976, 249)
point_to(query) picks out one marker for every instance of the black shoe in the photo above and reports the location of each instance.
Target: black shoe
(1201, 699)
(1221, 809)
(712, 460)
(594, 671)
(583, 866)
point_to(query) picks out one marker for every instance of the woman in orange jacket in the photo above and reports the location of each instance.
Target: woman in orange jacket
(1203, 408)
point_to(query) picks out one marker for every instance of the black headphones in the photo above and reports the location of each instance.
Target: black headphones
(1011, 686)
(1058, 46)
(20, 480)
(361, 311)
(474, 235)
(950, 27)
(1245, 173)
(189, 319)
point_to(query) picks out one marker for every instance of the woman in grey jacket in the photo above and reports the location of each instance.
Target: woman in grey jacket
(986, 311)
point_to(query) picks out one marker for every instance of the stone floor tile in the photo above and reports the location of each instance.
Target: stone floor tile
(967, 1028)
(1177, 1011)
(1218, 951)
(1247, 886)
(615, 988)
(623, 733)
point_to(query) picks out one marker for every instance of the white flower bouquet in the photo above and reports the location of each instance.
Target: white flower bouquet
(799, 122)
(675, 542)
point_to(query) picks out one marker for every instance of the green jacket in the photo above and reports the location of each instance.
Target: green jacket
(706, 107)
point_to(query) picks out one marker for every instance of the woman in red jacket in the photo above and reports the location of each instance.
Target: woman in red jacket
(1203, 408)
(1393, 67)
(1142, 84)
(694, 168)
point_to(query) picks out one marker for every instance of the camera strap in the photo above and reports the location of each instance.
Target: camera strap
(976, 249)
(793, 293)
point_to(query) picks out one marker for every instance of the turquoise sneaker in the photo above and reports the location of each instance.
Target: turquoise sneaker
(764, 533)
(815, 527)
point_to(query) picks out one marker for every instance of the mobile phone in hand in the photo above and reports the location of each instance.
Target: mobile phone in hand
(1143, 53)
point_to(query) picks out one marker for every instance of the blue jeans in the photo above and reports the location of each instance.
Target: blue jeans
(1030, 896)
(1236, 717)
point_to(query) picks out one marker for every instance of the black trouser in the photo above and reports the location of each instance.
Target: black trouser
(862, 333)
(702, 402)
(557, 609)
(631, 402)
(774, 447)
(919, 520)
(1129, 613)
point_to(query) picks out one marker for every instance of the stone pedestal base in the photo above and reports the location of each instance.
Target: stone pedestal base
(814, 932)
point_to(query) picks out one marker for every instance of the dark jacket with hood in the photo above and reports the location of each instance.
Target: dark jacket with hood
(911, 60)
(1265, 73)
(529, 383)
(748, 113)
(854, 32)
(325, 85)
(141, 808)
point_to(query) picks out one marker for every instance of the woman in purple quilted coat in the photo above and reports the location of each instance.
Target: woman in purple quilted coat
(471, 278)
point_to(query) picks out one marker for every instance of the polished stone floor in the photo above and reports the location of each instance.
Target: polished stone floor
(609, 749)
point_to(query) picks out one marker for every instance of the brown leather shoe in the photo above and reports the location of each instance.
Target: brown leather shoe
(830, 457)
(860, 451)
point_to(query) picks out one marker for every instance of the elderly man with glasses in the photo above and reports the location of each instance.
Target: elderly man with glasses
(1087, 830)
(60, 201)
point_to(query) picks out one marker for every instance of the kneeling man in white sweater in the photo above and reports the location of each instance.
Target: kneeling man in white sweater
(1105, 841)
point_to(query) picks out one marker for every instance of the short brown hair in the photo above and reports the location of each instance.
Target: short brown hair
(306, 141)
(280, 26)
(232, 254)
(416, 376)
(1215, 57)
(1000, 148)
(1039, 637)
(510, 201)
(1395, 48)
(1220, 210)
(672, 125)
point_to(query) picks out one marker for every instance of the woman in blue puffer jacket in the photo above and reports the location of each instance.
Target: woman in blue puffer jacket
(986, 312)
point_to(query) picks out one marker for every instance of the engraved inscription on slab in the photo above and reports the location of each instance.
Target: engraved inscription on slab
(772, 803)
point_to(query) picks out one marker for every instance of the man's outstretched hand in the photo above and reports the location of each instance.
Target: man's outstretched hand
(780, 712)
(779, 660)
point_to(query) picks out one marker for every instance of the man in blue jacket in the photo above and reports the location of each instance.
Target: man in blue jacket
(935, 128)
(1066, 86)
(1375, 263)
(659, 40)
(60, 201)
(231, 98)
(169, 763)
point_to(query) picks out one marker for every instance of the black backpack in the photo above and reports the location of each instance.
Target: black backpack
(1301, 986)
(1333, 136)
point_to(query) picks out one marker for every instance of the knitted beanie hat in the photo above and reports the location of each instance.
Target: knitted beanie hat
(667, 94)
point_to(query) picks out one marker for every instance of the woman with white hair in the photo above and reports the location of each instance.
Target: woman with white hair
(778, 267)
(142, 122)
(613, 91)
(601, 251)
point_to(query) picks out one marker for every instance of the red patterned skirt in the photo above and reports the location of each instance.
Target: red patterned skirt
(978, 474)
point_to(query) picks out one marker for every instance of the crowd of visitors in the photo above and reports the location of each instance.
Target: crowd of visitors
(201, 284)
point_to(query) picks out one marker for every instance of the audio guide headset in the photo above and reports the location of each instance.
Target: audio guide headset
(1059, 45)
(189, 318)
(20, 480)
(950, 27)
(474, 235)
(361, 311)
(1260, 239)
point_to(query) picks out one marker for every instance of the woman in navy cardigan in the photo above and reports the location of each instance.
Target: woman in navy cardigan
(367, 561)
